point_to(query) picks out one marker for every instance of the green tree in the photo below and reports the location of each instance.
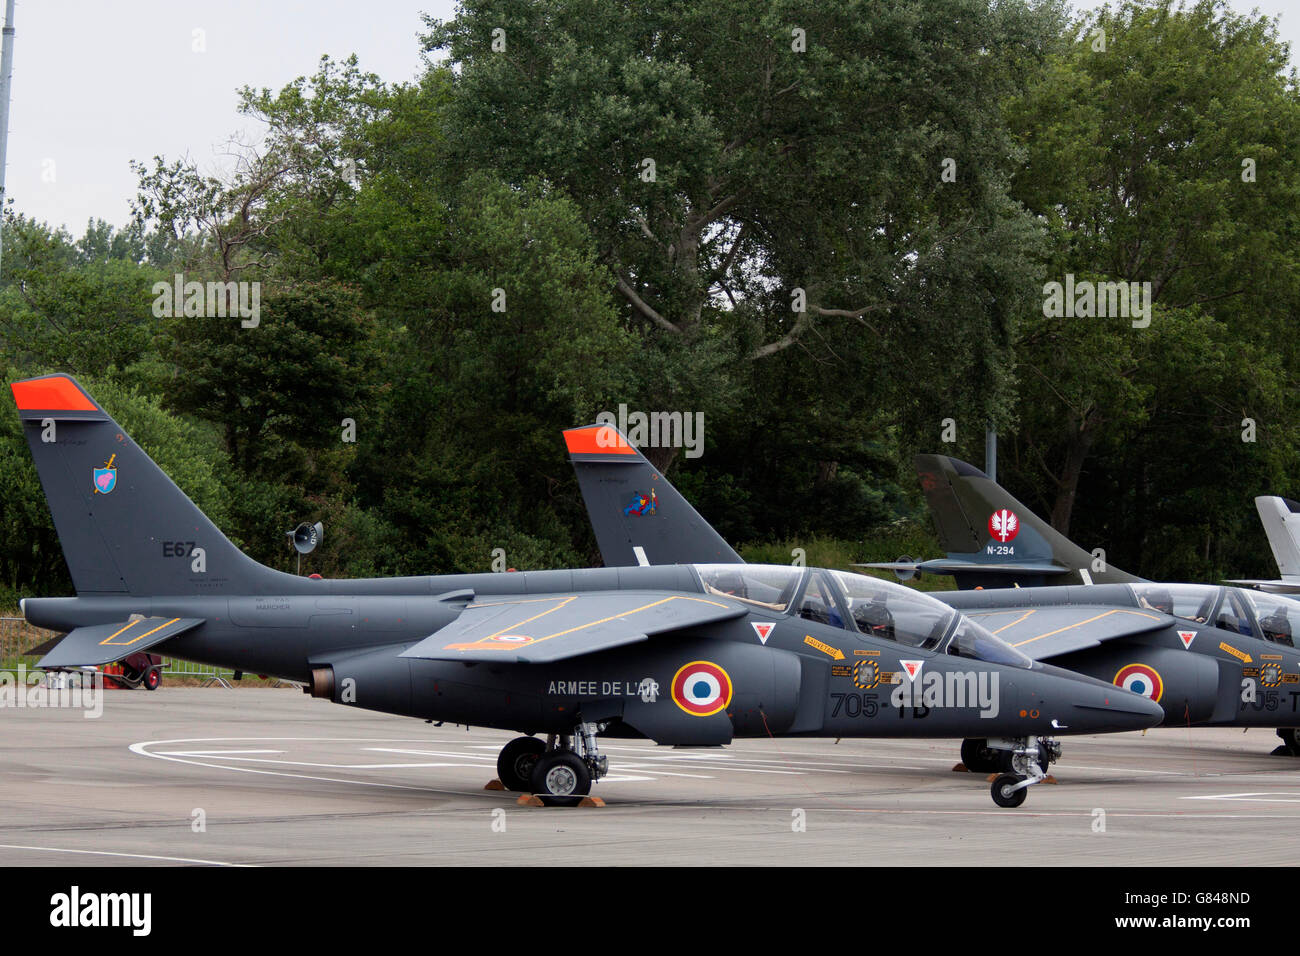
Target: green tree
(1161, 148)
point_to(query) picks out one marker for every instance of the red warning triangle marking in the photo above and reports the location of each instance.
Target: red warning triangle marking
(913, 668)
(1187, 638)
(762, 630)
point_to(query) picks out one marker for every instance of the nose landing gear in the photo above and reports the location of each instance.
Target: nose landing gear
(1029, 762)
(996, 756)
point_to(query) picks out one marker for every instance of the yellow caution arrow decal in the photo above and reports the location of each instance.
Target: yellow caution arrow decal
(834, 653)
(1239, 655)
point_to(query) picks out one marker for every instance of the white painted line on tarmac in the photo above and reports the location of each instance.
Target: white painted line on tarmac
(1258, 796)
(135, 856)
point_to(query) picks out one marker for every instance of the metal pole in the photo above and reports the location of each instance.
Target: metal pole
(991, 452)
(6, 84)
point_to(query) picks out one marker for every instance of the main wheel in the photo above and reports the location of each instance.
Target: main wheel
(979, 757)
(516, 762)
(561, 779)
(1003, 795)
(152, 678)
(1291, 737)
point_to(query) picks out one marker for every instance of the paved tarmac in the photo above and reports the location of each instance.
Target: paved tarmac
(271, 777)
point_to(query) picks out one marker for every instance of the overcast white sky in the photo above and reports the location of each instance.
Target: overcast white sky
(100, 82)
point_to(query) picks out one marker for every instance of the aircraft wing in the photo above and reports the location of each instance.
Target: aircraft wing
(1045, 632)
(539, 628)
(105, 643)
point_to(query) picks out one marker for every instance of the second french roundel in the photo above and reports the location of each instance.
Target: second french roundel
(1141, 679)
(701, 688)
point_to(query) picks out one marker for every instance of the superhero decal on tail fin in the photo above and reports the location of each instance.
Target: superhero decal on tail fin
(638, 517)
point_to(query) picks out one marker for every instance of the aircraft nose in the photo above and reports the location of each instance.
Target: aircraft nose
(1113, 709)
(1089, 706)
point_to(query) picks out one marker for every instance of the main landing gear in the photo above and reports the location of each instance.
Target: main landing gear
(1019, 762)
(559, 771)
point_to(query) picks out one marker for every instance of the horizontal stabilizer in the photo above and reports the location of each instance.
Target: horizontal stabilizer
(106, 643)
(551, 627)
(1273, 587)
(948, 566)
(1045, 632)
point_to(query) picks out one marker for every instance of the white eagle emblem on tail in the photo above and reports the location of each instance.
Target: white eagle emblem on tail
(1004, 525)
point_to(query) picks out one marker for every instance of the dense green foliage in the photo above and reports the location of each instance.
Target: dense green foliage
(826, 226)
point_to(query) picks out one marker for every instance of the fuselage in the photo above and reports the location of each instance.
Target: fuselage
(788, 671)
(1226, 659)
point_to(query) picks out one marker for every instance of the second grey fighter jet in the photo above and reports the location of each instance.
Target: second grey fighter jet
(1209, 655)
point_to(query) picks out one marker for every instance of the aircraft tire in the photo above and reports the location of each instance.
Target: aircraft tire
(516, 761)
(979, 758)
(561, 779)
(1008, 798)
(1291, 737)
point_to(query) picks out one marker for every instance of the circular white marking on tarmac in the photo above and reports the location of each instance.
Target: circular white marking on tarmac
(191, 756)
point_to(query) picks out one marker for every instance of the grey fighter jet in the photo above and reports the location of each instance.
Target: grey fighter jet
(688, 655)
(1209, 655)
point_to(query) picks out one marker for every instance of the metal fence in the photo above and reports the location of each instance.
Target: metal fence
(17, 637)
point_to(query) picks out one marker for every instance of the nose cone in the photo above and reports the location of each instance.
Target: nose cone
(1084, 705)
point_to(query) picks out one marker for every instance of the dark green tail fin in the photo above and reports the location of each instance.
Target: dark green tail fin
(992, 540)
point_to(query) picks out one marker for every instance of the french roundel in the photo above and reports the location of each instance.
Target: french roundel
(701, 688)
(1141, 679)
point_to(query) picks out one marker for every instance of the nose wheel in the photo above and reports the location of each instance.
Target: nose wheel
(1008, 790)
(1029, 762)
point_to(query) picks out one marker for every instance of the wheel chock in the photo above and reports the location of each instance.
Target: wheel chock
(591, 802)
(495, 785)
(529, 800)
(960, 767)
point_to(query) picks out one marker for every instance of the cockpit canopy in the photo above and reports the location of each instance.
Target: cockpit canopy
(1278, 617)
(859, 603)
(1237, 610)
